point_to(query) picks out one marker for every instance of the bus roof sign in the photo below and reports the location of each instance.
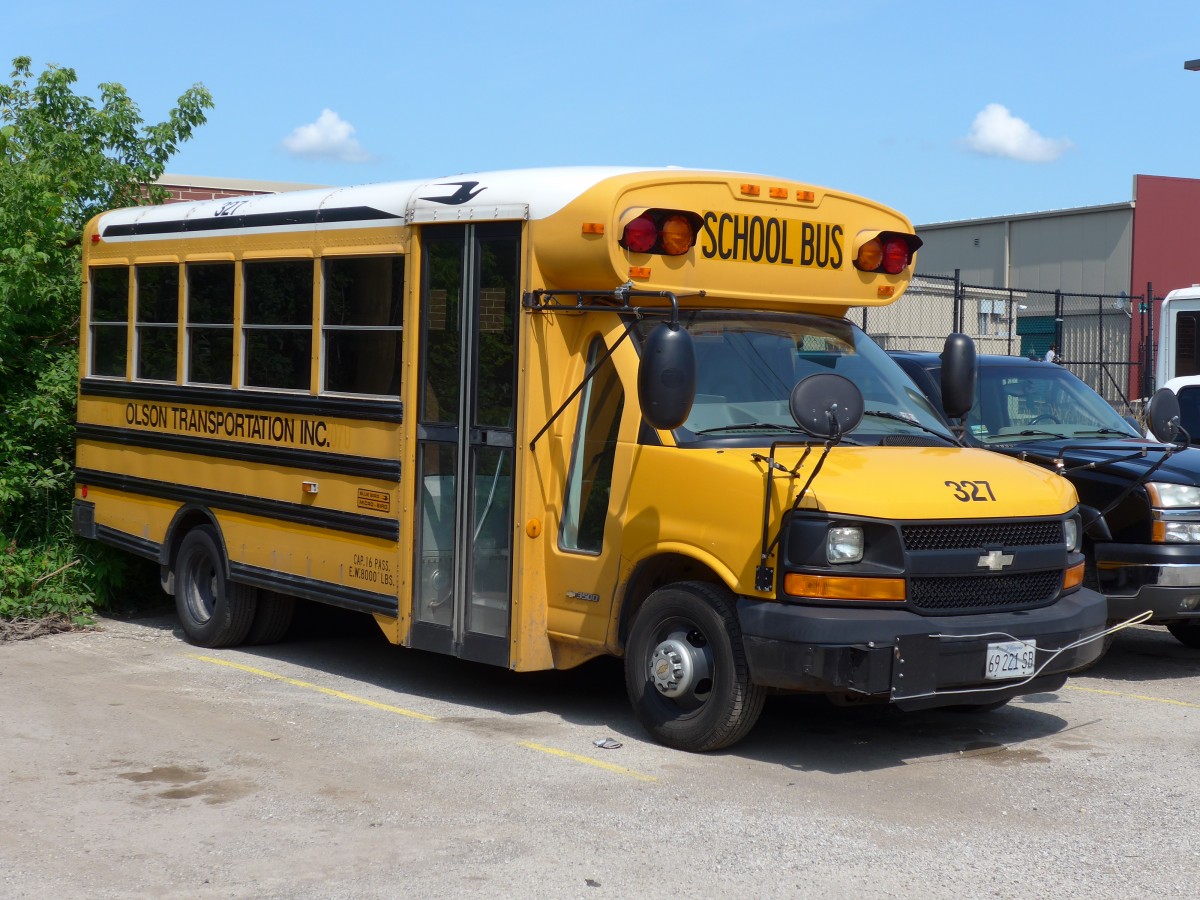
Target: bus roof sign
(786, 245)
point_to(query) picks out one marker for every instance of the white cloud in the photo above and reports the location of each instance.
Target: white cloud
(330, 137)
(997, 132)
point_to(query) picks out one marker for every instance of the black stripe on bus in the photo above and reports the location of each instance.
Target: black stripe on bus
(284, 583)
(309, 460)
(305, 404)
(253, 220)
(311, 589)
(128, 542)
(303, 514)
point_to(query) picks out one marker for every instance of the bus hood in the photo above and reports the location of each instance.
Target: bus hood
(706, 492)
(929, 483)
(709, 502)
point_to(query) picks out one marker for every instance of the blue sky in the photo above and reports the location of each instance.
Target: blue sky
(944, 110)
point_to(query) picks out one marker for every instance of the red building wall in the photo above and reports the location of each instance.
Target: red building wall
(179, 193)
(1166, 233)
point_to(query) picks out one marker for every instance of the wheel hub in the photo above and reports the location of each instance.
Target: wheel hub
(671, 668)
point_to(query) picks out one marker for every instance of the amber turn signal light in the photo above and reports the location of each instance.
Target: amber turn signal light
(840, 587)
(1072, 577)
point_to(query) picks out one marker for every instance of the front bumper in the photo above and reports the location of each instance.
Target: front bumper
(1163, 579)
(914, 661)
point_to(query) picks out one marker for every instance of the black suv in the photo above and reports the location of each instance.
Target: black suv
(1140, 499)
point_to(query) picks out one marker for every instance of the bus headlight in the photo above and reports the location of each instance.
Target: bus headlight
(844, 544)
(1071, 533)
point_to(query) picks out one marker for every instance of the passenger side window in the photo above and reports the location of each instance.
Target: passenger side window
(157, 322)
(363, 328)
(109, 319)
(277, 326)
(210, 323)
(589, 479)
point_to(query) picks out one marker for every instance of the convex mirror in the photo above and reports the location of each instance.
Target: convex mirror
(1162, 418)
(826, 405)
(960, 370)
(667, 376)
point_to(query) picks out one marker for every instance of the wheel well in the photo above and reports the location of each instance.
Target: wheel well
(185, 520)
(651, 574)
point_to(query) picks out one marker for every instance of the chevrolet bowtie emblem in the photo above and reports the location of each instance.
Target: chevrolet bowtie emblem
(995, 560)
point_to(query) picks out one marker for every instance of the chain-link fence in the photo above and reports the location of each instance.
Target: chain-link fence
(1092, 334)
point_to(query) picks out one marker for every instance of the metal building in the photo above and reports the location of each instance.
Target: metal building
(1148, 240)
(1107, 260)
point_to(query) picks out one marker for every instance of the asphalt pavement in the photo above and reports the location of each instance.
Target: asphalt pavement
(336, 765)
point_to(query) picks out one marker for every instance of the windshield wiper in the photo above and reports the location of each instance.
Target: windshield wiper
(1030, 432)
(765, 426)
(751, 426)
(896, 417)
(1116, 431)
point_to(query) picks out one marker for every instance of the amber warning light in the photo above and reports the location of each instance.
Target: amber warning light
(670, 232)
(888, 251)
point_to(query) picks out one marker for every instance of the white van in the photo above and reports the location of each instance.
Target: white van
(1178, 336)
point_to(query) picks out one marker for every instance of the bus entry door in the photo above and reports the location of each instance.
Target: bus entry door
(466, 413)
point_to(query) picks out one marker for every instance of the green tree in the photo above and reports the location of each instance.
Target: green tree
(63, 158)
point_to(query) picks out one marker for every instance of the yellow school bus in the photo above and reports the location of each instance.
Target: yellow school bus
(528, 418)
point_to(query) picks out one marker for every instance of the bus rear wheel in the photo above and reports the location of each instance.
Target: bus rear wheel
(686, 670)
(214, 611)
(273, 615)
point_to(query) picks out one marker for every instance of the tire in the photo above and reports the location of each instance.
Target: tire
(213, 611)
(1187, 633)
(272, 617)
(686, 670)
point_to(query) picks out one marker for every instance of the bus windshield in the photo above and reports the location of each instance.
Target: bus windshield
(747, 365)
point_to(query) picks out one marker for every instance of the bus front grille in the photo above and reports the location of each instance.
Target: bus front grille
(964, 535)
(983, 593)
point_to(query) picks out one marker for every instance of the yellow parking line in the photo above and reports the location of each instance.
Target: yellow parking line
(314, 687)
(341, 695)
(587, 760)
(1169, 702)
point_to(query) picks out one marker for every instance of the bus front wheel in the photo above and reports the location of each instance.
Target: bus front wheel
(213, 611)
(686, 671)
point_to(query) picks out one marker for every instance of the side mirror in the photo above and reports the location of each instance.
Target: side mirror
(826, 405)
(1163, 415)
(667, 376)
(960, 370)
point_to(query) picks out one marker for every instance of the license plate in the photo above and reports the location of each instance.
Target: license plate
(1010, 659)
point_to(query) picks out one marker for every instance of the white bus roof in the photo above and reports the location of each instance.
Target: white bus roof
(480, 196)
